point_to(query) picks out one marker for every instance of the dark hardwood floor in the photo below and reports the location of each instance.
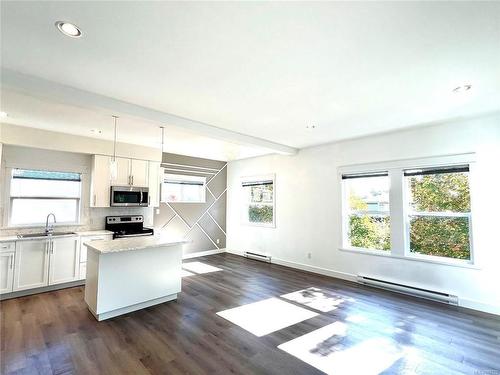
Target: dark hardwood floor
(53, 333)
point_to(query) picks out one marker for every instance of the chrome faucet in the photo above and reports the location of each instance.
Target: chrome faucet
(51, 228)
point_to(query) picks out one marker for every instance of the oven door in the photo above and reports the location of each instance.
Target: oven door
(127, 196)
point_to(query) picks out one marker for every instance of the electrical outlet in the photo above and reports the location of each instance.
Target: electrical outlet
(218, 241)
(309, 255)
(157, 211)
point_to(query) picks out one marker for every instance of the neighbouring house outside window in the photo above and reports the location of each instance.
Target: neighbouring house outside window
(419, 209)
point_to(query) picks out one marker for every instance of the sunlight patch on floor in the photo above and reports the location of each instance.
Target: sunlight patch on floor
(326, 350)
(264, 317)
(315, 298)
(199, 267)
(185, 273)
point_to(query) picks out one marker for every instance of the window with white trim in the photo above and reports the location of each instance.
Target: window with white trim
(177, 188)
(367, 217)
(418, 209)
(438, 211)
(258, 207)
(36, 193)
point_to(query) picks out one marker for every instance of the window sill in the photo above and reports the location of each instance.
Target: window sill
(259, 225)
(38, 226)
(413, 258)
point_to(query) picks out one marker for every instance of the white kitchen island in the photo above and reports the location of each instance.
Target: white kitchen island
(129, 274)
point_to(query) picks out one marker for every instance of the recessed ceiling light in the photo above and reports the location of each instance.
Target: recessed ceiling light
(3, 114)
(312, 126)
(96, 131)
(461, 89)
(69, 29)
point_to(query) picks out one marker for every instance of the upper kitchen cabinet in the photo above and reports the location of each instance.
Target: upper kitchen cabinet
(154, 184)
(139, 172)
(100, 181)
(122, 172)
(131, 172)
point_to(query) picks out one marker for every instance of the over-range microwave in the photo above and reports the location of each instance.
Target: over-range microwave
(129, 196)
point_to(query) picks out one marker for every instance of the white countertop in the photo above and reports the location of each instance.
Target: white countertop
(83, 233)
(94, 232)
(132, 243)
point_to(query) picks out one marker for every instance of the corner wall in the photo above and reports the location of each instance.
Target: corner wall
(204, 224)
(308, 209)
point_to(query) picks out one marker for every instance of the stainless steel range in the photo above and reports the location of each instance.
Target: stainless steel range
(127, 226)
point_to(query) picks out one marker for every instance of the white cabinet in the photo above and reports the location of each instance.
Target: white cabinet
(31, 264)
(6, 267)
(83, 248)
(122, 172)
(83, 251)
(154, 184)
(131, 172)
(64, 260)
(139, 172)
(42, 262)
(100, 181)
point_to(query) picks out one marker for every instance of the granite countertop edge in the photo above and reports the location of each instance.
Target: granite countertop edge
(12, 238)
(131, 244)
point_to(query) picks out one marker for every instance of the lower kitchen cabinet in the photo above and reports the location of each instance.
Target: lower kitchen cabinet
(31, 264)
(83, 251)
(64, 264)
(43, 262)
(6, 271)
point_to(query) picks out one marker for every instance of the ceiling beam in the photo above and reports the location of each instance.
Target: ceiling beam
(50, 90)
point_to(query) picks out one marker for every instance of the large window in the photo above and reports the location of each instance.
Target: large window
(439, 211)
(417, 209)
(35, 193)
(367, 210)
(258, 208)
(183, 189)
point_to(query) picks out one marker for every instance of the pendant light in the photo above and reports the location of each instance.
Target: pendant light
(113, 167)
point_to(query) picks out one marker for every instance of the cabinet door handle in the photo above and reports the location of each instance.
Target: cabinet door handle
(95, 199)
(11, 261)
(51, 247)
(132, 179)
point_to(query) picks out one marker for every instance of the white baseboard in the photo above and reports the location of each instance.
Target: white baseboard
(203, 253)
(315, 269)
(480, 306)
(463, 302)
(235, 252)
(304, 267)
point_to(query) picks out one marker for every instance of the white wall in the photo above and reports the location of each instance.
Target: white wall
(28, 157)
(49, 140)
(308, 219)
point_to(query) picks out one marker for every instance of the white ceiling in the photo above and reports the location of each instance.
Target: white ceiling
(25, 110)
(267, 69)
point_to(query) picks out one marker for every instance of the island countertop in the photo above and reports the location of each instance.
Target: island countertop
(132, 243)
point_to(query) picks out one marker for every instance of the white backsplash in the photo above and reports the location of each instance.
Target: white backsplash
(93, 219)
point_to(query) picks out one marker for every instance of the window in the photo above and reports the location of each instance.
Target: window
(439, 211)
(183, 189)
(258, 208)
(413, 209)
(35, 193)
(367, 214)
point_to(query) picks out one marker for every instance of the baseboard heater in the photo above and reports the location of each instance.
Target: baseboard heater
(407, 289)
(257, 256)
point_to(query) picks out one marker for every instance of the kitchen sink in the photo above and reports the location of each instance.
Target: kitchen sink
(44, 234)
